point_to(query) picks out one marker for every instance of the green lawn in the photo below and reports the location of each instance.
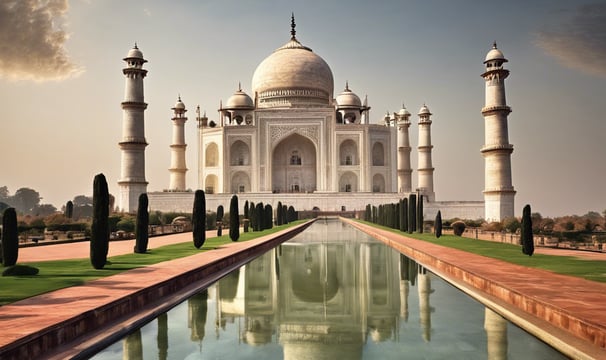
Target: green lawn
(594, 270)
(60, 274)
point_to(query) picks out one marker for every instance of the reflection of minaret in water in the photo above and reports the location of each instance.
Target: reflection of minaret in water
(404, 286)
(197, 310)
(424, 288)
(132, 347)
(162, 338)
(496, 334)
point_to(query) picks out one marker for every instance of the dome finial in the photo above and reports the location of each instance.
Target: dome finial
(239, 86)
(347, 85)
(135, 46)
(494, 44)
(292, 26)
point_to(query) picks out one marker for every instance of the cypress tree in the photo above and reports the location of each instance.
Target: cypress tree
(10, 237)
(368, 213)
(420, 214)
(142, 228)
(292, 214)
(285, 214)
(279, 214)
(526, 232)
(412, 213)
(405, 215)
(220, 213)
(234, 219)
(252, 215)
(199, 218)
(246, 210)
(268, 217)
(259, 216)
(99, 239)
(69, 209)
(401, 215)
(438, 224)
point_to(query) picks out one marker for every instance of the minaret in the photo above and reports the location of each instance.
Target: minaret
(404, 169)
(425, 170)
(177, 148)
(132, 179)
(498, 189)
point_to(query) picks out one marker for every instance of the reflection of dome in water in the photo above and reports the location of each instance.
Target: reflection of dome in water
(292, 76)
(310, 281)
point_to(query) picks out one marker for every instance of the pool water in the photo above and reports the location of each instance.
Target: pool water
(331, 292)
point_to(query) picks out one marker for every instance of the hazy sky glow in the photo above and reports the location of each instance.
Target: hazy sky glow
(61, 83)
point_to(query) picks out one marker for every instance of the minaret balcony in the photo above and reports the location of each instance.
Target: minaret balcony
(487, 110)
(134, 105)
(497, 147)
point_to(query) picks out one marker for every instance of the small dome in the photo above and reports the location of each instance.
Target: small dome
(179, 105)
(134, 53)
(239, 100)
(424, 110)
(348, 99)
(495, 54)
(403, 111)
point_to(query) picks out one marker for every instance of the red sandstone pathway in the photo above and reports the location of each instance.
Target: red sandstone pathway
(81, 250)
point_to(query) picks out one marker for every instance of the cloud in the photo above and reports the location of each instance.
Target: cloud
(580, 41)
(32, 41)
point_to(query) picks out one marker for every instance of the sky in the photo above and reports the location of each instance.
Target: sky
(61, 84)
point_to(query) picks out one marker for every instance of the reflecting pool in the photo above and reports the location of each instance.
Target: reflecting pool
(332, 292)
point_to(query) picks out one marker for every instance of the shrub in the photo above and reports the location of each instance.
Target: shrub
(10, 237)
(458, 227)
(126, 224)
(234, 219)
(142, 225)
(20, 270)
(199, 219)
(99, 241)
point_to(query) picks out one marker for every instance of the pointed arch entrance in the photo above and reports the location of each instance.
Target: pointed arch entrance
(293, 165)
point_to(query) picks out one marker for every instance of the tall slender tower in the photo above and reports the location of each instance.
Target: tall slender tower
(404, 169)
(425, 170)
(498, 189)
(177, 148)
(132, 181)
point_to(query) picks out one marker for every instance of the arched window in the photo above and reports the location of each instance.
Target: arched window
(378, 154)
(212, 155)
(295, 158)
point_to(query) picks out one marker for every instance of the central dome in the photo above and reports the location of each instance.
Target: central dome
(293, 76)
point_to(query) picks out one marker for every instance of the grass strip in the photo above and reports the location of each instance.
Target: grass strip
(59, 274)
(594, 270)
